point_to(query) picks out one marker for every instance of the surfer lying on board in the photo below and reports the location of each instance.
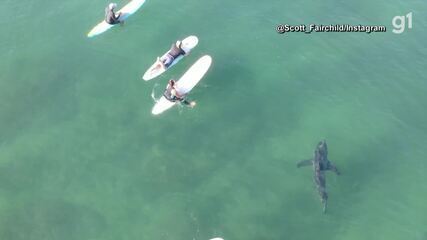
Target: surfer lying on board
(110, 16)
(174, 52)
(172, 95)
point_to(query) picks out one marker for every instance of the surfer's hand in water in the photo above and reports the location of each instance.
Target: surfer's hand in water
(192, 104)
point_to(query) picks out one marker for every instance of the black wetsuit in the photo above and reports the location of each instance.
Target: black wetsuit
(110, 17)
(172, 54)
(168, 95)
(176, 51)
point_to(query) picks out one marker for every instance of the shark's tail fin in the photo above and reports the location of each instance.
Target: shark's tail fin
(325, 205)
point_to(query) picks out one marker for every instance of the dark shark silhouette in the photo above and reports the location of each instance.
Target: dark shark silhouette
(320, 163)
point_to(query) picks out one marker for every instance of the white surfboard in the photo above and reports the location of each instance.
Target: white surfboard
(185, 84)
(126, 11)
(155, 70)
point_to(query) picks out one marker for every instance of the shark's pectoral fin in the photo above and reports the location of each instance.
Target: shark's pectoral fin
(305, 163)
(332, 168)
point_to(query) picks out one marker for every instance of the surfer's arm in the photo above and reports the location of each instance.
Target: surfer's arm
(187, 103)
(117, 16)
(183, 52)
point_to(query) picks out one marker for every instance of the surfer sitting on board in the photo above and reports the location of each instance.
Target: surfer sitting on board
(174, 52)
(110, 16)
(172, 94)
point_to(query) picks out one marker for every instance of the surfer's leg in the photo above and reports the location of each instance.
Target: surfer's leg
(168, 60)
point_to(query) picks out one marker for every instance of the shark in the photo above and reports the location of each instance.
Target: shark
(321, 164)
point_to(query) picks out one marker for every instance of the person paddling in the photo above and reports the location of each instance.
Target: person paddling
(172, 94)
(110, 15)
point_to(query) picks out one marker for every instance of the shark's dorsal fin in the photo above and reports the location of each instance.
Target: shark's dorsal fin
(307, 162)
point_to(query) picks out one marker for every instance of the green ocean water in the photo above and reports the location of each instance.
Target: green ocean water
(81, 156)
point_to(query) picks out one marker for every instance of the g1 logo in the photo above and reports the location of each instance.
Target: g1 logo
(399, 23)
